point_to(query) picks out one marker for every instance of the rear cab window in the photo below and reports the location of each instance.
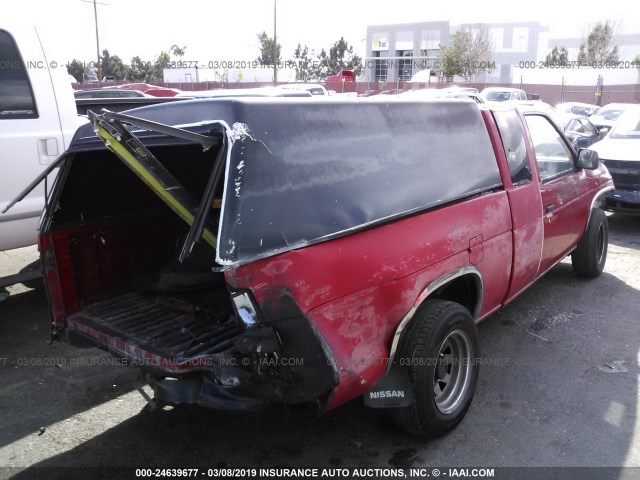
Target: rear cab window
(16, 95)
(514, 145)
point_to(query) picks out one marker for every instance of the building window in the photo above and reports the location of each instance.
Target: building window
(404, 65)
(430, 59)
(382, 66)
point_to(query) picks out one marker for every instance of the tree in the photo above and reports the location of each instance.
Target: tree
(303, 64)
(149, 72)
(160, 63)
(177, 51)
(113, 66)
(636, 60)
(469, 54)
(557, 56)
(75, 68)
(340, 57)
(266, 50)
(140, 71)
(598, 47)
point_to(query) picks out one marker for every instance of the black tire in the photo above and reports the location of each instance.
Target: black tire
(441, 331)
(590, 255)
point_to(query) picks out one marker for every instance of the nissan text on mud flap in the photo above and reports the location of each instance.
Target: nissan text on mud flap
(251, 251)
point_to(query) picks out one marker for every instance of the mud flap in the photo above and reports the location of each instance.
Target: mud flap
(392, 391)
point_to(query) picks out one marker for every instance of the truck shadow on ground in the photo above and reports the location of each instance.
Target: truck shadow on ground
(624, 230)
(558, 387)
(42, 383)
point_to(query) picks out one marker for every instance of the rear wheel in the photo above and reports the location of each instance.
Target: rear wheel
(439, 350)
(590, 255)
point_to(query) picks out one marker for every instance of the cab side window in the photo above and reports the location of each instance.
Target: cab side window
(553, 155)
(515, 148)
(587, 127)
(575, 125)
(16, 98)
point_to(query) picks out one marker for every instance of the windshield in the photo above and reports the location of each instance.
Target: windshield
(497, 96)
(628, 126)
(611, 114)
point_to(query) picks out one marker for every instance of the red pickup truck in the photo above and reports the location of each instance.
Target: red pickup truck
(343, 81)
(302, 252)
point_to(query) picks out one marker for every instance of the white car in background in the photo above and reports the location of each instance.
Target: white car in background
(607, 116)
(313, 88)
(620, 152)
(577, 108)
(451, 92)
(502, 94)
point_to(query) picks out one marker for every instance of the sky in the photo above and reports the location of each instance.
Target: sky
(217, 31)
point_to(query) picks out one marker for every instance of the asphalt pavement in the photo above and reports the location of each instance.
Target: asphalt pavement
(558, 388)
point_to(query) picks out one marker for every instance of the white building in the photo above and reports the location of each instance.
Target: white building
(397, 51)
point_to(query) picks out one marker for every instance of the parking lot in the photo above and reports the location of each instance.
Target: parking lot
(558, 387)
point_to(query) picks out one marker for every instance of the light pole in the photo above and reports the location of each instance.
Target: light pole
(95, 15)
(275, 46)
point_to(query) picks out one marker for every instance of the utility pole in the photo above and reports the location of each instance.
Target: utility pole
(95, 15)
(275, 46)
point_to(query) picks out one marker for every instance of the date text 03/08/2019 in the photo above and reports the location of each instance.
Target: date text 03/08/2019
(372, 473)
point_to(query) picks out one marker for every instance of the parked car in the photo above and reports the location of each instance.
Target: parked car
(341, 82)
(342, 77)
(313, 252)
(90, 78)
(580, 131)
(37, 121)
(539, 106)
(246, 92)
(151, 90)
(607, 116)
(431, 93)
(107, 93)
(312, 88)
(577, 108)
(502, 94)
(620, 152)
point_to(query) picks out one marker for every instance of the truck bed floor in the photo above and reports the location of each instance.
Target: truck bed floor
(161, 325)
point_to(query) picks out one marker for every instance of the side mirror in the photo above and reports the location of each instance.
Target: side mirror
(602, 132)
(587, 159)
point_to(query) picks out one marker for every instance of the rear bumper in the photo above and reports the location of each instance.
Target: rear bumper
(240, 369)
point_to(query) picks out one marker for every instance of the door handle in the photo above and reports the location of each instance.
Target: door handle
(550, 208)
(48, 150)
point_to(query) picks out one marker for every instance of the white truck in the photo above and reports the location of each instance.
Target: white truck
(37, 121)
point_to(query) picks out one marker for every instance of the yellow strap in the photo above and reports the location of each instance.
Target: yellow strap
(147, 177)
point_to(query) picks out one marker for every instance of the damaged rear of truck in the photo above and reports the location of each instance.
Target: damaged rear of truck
(251, 251)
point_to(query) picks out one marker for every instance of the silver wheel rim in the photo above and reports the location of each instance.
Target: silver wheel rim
(452, 372)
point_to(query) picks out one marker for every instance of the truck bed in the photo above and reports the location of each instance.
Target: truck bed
(168, 327)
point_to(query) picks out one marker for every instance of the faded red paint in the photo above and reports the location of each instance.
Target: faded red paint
(355, 290)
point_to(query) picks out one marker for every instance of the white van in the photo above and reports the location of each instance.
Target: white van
(37, 121)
